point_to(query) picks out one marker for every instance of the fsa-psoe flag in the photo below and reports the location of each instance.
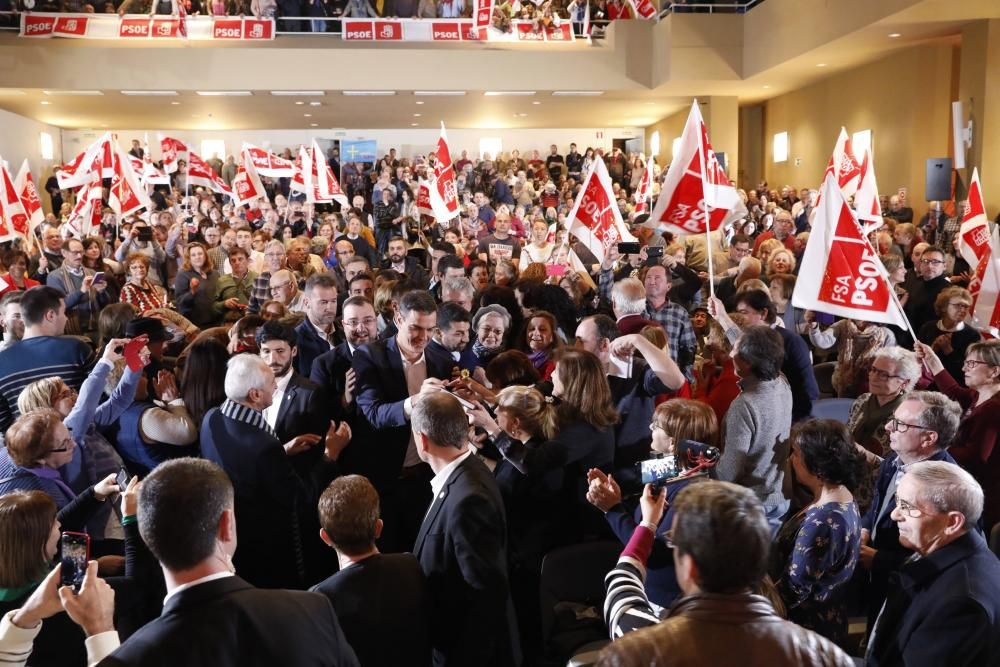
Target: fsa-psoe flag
(327, 183)
(595, 218)
(86, 215)
(24, 185)
(267, 163)
(644, 193)
(443, 191)
(842, 274)
(844, 166)
(127, 194)
(643, 8)
(866, 203)
(987, 306)
(199, 173)
(172, 150)
(695, 184)
(424, 199)
(96, 162)
(974, 235)
(15, 219)
(247, 185)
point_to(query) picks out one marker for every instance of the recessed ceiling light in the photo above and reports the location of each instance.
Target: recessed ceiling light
(313, 124)
(175, 103)
(414, 124)
(820, 64)
(420, 101)
(369, 93)
(439, 93)
(74, 93)
(308, 115)
(150, 93)
(298, 93)
(315, 104)
(223, 93)
(577, 93)
(894, 35)
(46, 102)
(766, 87)
(300, 103)
(417, 115)
(509, 93)
(536, 102)
(520, 115)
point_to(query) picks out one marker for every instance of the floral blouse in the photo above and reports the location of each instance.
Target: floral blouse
(812, 561)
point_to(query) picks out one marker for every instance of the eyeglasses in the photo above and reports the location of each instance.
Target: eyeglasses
(960, 306)
(909, 509)
(972, 363)
(366, 322)
(882, 375)
(903, 427)
(65, 446)
(932, 261)
(655, 425)
(742, 251)
(275, 288)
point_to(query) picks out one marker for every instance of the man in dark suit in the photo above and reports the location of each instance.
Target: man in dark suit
(397, 260)
(389, 372)
(210, 616)
(921, 428)
(270, 494)
(381, 600)
(317, 333)
(462, 543)
(451, 342)
(299, 405)
(942, 608)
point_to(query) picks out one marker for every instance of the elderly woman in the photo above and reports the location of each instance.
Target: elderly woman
(856, 341)
(976, 446)
(780, 287)
(817, 549)
(490, 325)
(893, 372)
(151, 249)
(139, 291)
(781, 260)
(951, 336)
(673, 423)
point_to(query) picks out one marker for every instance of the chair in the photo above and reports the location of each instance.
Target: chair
(824, 378)
(572, 580)
(833, 408)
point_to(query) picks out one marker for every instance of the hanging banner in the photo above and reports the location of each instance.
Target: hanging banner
(138, 26)
(465, 30)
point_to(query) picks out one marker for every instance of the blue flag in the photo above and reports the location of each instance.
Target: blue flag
(358, 151)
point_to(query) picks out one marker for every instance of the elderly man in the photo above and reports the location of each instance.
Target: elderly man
(285, 289)
(782, 228)
(721, 541)
(944, 607)
(85, 296)
(270, 494)
(343, 250)
(274, 260)
(921, 429)
(628, 303)
(50, 258)
(460, 291)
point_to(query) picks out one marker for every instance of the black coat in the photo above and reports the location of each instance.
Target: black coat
(383, 607)
(228, 622)
(310, 346)
(942, 609)
(462, 549)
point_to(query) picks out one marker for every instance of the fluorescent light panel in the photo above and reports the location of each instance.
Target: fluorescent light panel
(439, 93)
(150, 93)
(298, 93)
(577, 93)
(369, 93)
(509, 93)
(74, 93)
(223, 93)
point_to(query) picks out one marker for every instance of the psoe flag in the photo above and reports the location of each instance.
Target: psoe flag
(359, 151)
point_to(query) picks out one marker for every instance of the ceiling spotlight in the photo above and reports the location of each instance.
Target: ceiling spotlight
(175, 103)
(820, 64)
(300, 103)
(417, 115)
(308, 115)
(46, 102)
(536, 102)
(413, 124)
(420, 101)
(313, 124)
(315, 104)
(766, 87)
(894, 35)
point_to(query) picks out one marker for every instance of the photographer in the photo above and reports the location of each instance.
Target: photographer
(140, 240)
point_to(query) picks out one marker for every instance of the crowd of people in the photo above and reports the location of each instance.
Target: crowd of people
(311, 435)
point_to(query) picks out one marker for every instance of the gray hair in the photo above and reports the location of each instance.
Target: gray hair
(243, 373)
(762, 349)
(940, 415)
(628, 297)
(948, 488)
(275, 245)
(493, 309)
(460, 284)
(907, 365)
(441, 418)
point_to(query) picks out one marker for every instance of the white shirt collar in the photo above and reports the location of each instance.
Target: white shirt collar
(196, 582)
(283, 381)
(440, 479)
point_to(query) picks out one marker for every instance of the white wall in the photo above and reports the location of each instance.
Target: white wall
(406, 142)
(20, 139)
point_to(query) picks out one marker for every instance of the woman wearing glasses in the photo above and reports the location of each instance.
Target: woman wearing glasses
(950, 336)
(977, 444)
(892, 374)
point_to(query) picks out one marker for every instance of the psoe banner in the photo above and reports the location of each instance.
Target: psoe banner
(454, 30)
(145, 27)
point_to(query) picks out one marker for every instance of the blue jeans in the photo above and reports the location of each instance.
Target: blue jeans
(774, 516)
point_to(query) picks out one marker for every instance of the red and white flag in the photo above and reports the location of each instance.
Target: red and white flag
(424, 199)
(172, 150)
(199, 173)
(127, 195)
(842, 273)
(974, 235)
(15, 218)
(695, 184)
(595, 218)
(644, 9)
(314, 177)
(86, 215)
(866, 203)
(987, 306)
(267, 163)
(247, 185)
(26, 190)
(483, 16)
(443, 191)
(644, 193)
(844, 165)
(95, 162)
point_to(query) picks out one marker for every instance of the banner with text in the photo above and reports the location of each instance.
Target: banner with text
(136, 26)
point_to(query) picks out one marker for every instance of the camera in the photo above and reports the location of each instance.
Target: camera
(691, 458)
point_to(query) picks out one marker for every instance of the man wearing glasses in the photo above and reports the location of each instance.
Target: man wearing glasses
(924, 292)
(921, 428)
(944, 608)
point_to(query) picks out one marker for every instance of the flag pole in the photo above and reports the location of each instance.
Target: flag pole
(704, 209)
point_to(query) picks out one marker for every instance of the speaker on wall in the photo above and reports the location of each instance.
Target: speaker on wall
(937, 184)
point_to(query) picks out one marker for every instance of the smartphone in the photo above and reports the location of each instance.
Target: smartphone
(654, 251)
(75, 549)
(629, 248)
(658, 471)
(122, 479)
(99, 277)
(145, 234)
(555, 270)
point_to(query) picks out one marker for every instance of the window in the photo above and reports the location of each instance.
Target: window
(491, 145)
(46, 145)
(780, 147)
(210, 147)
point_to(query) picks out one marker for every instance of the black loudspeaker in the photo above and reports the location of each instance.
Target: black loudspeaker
(938, 180)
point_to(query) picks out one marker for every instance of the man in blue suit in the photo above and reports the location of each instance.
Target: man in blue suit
(920, 430)
(317, 334)
(389, 372)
